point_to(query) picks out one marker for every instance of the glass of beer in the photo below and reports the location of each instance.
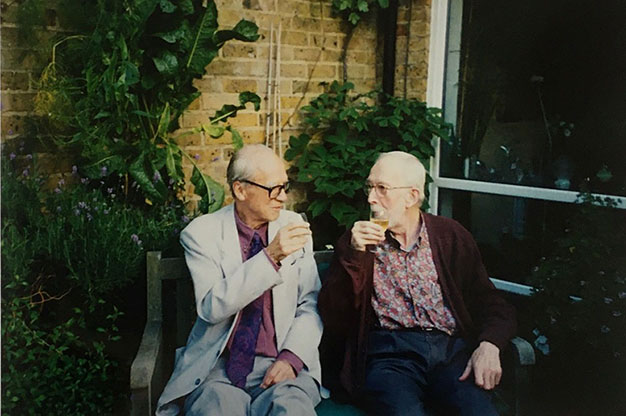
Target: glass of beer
(379, 216)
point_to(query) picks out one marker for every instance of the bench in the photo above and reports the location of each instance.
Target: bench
(171, 313)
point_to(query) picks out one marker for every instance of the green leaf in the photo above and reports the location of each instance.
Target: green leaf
(245, 30)
(250, 97)
(164, 122)
(383, 3)
(203, 49)
(236, 137)
(166, 63)
(144, 179)
(186, 6)
(211, 192)
(166, 6)
(213, 130)
(173, 36)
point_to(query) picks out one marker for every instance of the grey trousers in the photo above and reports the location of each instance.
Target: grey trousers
(217, 396)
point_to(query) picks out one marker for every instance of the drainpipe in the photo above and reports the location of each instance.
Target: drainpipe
(388, 25)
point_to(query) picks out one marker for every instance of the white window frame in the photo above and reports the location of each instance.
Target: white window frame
(445, 26)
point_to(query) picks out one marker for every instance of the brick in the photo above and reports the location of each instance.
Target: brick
(331, 55)
(323, 71)
(300, 87)
(294, 38)
(289, 102)
(188, 138)
(213, 101)
(12, 125)
(239, 50)
(293, 70)
(17, 81)
(326, 41)
(306, 54)
(209, 84)
(244, 120)
(240, 85)
(18, 101)
(306, 24)
(242, 68)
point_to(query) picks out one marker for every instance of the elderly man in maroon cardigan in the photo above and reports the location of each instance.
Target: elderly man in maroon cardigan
(412, 306)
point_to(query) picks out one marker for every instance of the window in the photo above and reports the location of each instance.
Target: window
(536, 92)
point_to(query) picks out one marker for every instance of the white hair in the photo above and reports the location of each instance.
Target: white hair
(413, 170)
(246, 162)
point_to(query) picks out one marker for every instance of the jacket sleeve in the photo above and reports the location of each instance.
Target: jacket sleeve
(218, 296)
(305, 332)
(343, 289)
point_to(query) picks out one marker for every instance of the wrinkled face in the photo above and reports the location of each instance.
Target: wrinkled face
(394, 201)
(253, 201)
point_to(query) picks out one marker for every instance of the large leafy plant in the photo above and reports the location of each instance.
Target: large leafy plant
(344, 133)
(354, 10)
(115, 90)
(579, 308)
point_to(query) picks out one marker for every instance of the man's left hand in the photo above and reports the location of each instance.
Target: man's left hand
(279, 371)
(485, 363)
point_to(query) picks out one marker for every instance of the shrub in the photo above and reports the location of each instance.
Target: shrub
(344, 133)
(68, 254)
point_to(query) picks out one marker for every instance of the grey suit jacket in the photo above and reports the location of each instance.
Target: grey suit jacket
(224, 285)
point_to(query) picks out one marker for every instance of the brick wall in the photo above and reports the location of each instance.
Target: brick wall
(311, 45)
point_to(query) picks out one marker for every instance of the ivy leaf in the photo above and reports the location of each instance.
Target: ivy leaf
(213, 130)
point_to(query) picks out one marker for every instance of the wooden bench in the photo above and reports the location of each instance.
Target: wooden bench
(171, 313)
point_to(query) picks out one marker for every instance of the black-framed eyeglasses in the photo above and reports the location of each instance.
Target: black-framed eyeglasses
(272, 191)
(381, 190)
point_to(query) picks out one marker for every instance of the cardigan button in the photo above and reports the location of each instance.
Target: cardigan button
(197, 381)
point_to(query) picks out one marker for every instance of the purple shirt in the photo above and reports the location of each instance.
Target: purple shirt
(266, 341)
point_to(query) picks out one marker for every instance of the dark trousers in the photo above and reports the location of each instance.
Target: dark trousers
(405, 368)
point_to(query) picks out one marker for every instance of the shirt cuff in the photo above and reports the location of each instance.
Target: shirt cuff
(276, 265)
(292, 359)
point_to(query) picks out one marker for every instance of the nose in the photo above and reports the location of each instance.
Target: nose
(282, 196)
(372, 197)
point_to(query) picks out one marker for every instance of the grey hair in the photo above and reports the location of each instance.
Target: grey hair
(413, 169)
(245, 163)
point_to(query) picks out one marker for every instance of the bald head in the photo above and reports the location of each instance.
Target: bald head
(406, 168)
(249, 161)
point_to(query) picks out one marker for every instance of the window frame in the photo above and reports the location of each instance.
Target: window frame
(442, 92)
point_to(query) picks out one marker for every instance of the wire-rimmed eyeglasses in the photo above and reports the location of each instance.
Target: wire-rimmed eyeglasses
(381, 190)
(272, 191)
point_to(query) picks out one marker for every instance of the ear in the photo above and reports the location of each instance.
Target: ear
(239, 191)
(413, 197)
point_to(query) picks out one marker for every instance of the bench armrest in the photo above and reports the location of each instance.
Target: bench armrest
(523, 360)
(146, 375)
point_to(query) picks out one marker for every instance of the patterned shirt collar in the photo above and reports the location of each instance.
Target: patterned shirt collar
(420, 232)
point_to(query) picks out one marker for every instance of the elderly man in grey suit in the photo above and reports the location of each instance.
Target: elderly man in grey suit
(253, 348)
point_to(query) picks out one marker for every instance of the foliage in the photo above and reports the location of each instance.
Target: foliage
(114, 91)
(66, 255)
(579, 308)
(354, 10)
(344, 133)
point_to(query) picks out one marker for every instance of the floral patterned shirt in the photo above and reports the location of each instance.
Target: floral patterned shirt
(407, 293)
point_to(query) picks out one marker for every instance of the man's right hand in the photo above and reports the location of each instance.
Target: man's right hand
(289, 239)
(364, 233)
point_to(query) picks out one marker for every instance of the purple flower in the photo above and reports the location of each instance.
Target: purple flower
(109, 190)
(82, 205)
(196, 156)
(29, 157)
(61, 182)
(12, 156)
(605, 329)
(89, 217)
(136, 239)
(103, 171)
(156, 177)
(184, 219)
(58, 209)
(106, 212)
(77, 212)
(171, 181)
(84, 180)
(26, 172)
(215, 159)
(10, 131)
(74, 170)
(57, 190)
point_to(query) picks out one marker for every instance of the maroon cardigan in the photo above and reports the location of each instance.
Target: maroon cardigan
(344, 301)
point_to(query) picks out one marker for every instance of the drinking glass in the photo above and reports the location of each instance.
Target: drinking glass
(379, 216)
